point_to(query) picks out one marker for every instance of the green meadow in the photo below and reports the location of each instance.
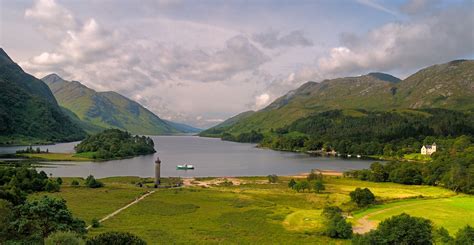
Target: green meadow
(451, 213)
(254, 211)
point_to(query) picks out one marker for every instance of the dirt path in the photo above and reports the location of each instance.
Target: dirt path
(364, 225)
(123, 208)
(210, 183)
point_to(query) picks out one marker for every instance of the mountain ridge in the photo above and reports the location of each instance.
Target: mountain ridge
(29, 113)
(449, 86)
(107, 109)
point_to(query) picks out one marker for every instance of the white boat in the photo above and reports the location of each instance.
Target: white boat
(184, 167)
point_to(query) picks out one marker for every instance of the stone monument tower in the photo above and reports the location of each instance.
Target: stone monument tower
(157, 171)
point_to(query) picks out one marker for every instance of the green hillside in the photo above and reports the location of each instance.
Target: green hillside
(107, 109)
(217, 130)
(184, 128)
(447, 86)
(29, 112)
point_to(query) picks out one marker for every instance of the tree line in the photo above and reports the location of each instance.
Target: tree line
(390, 133)
(452, 167)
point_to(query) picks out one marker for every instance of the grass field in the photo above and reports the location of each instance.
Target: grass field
(417, 157)
(252, 212)
(57, 156)
(451, 213)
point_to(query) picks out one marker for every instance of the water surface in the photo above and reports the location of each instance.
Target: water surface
(210, 156)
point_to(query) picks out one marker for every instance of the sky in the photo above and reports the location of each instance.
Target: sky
(203, 61)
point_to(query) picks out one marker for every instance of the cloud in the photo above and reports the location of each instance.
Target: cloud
(272, 39)
(413, 7)
(51, 18)
(164, 76)
(404, 46)
(262, 100)
(373, 4)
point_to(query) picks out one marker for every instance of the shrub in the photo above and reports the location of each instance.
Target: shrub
(273, 178)
(465, 236)
(64, 238)
(441, 236)
(75, 183)
(91, 182)
(292, 183)
(6, 216)
(338, 227)
(318, 186)
(95, 223)
(51, 186)
(116, 238)
(314, 176)
(302, 185)
(331, 211)
(400, 229)
(362, 197)
(59, 181)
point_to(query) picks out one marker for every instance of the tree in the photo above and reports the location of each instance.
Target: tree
(40, 218)
(64, 238)
(91, 182)
(331, 211)
(74, 183)
(304, 185)
(362, 197)
(95, 223)
(465, 236)
(400, 229)
(338, 227)
(378, 172)
(51, 186)
(59, 180)
(273, 178)
(292, 183)
(318, 186)
(441, 236)
(116, 238)
(6, 216)
(314, 176)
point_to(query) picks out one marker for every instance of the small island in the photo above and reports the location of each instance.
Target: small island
(114, 144)
(106, 145)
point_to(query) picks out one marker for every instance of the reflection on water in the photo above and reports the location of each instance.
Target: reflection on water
(211, 157)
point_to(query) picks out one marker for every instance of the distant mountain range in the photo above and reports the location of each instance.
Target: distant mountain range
(29, 112)
(448, 86)
(99, 110)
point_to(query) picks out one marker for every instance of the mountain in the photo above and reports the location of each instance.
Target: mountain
(29, 112)
(184, 128)
(109, 109)
(448, 86)
(221, 127)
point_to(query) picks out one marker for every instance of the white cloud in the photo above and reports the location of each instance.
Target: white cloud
(404, 46)
(165, 77)
(51, 18)
(272, 39)
(262, 100)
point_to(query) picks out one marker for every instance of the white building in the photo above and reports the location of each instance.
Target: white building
(428, 149)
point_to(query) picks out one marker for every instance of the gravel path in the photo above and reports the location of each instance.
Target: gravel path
(123, 208)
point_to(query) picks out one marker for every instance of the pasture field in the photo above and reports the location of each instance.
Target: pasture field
(251, 211)
(451, 213)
